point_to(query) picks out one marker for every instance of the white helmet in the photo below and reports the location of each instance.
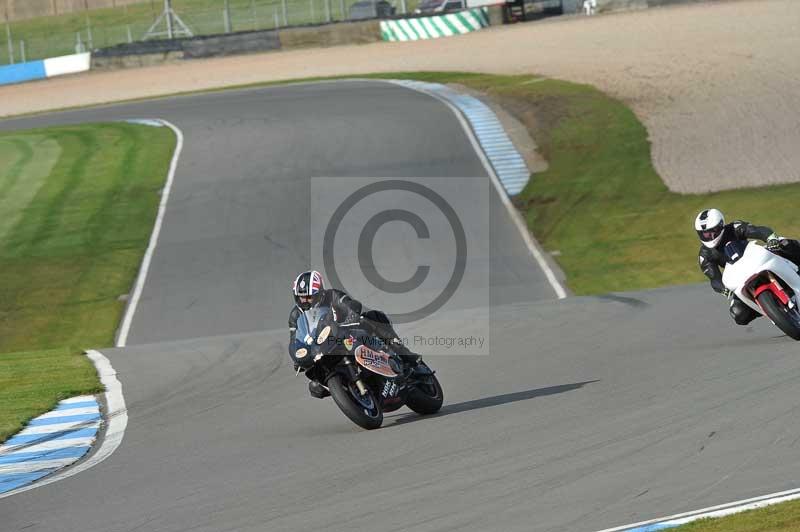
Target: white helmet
(709, 225)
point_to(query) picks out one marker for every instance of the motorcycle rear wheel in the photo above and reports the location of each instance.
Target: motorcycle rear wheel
(426, 398)
(365, 411)
(786, 319)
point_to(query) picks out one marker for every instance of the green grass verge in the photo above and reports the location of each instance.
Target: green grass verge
(784, 517)
(57, 35)
(601, 204)
(77, 205)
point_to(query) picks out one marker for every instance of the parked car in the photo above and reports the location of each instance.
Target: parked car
(364, 9)
(439, 6)
(521, 10)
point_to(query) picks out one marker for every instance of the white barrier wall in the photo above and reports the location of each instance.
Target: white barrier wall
(68, 64)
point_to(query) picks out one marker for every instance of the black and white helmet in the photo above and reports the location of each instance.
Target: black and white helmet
(709, 225)
(307, 289)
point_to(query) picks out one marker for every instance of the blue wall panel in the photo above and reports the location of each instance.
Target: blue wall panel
(22, 72)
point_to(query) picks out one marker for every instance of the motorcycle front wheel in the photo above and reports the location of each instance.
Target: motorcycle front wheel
(426, 397)
(786, 319)
(363, 410)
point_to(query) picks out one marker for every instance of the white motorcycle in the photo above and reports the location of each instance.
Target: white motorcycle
(766, 282)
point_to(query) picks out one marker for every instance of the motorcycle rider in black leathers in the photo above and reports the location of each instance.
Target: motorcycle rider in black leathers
(714, 233)
(309, 291)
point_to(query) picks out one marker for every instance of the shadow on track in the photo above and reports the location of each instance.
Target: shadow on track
(486, 402)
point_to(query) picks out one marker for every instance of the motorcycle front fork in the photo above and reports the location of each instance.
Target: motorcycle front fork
(362, 389)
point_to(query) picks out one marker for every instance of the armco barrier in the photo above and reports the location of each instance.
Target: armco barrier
(46, 68)
(237, 43)
(194, 47)
(155, 52)
(414, 29)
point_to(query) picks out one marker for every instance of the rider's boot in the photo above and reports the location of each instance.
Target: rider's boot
(740, 312)
(317, 390)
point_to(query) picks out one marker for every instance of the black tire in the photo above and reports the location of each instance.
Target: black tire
(364, 411)
(426, 398)
(786, 319)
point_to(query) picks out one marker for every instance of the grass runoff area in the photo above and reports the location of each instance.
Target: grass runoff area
(601, 205)
(77, 205)
(784, 517)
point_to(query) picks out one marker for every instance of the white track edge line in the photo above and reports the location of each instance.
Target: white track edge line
(561, 293)
(116, 418)
(739, 506)
(122, 336)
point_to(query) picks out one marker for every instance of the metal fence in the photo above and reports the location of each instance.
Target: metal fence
(52, 36)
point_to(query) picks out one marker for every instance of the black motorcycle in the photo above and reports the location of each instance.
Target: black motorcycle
(364, 375)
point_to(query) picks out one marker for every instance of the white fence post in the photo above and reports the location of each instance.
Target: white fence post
(226, 16)
(10, 43)
(89, 39)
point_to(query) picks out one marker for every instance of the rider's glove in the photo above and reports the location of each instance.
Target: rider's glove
(776, 243)
(727, 293)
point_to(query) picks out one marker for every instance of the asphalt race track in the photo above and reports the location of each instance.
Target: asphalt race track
(588, 412)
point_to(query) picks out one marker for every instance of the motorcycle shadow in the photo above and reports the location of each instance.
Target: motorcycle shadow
(487, 402)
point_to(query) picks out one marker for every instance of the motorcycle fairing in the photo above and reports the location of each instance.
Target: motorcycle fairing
(309, 325)
(754, 261)
(375, 361)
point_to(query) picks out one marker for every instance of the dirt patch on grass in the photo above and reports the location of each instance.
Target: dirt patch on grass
(514, 124)
(538, 115)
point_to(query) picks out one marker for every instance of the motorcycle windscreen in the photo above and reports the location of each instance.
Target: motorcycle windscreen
(310, 323)
(734, 250)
